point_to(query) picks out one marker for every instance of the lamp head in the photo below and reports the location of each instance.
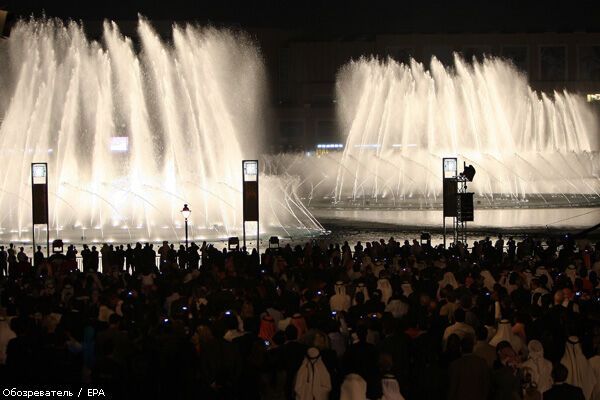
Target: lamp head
(186, 211)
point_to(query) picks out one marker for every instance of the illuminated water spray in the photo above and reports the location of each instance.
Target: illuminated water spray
(399, 121)
(131, 135)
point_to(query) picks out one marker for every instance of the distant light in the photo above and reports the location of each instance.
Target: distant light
(405, 145)
(592, 97)
(368, 145)
(50, 150)
(119, 143)
(330, 146)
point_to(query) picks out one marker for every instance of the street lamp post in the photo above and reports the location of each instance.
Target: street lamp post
(186, 214)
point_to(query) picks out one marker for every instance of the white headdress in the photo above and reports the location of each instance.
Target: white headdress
(448, 279)
(580, 373)
(539, 368)
(313, 381)
(340, 301)
(361, 288)
(488, 280)
(386, 289)
(505, 333)
(354, 387)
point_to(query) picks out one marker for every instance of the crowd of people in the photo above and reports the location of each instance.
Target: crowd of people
(388, 320)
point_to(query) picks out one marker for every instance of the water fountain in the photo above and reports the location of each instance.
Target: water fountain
(401, 120)
(132, 134)
(530, 149)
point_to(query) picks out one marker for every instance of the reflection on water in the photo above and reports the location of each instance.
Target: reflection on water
(557, 218)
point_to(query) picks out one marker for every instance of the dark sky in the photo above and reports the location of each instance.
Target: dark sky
(339, 17)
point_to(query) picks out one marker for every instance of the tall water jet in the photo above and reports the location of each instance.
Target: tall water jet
(400, 120)
(130, 136)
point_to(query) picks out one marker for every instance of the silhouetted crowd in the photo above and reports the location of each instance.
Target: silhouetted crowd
(384, 320)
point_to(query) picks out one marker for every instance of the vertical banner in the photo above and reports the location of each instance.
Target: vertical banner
(449, 196)
(250, 196)
(250, 190)
(449, 190)
(39, 200)
(450, 186)
(39, 193)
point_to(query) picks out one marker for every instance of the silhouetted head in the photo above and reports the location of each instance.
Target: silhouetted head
(481, 332)
(291, 332)
(467, 343)
(361, 332)
(359, 297)
(559, 373)
(459, 315)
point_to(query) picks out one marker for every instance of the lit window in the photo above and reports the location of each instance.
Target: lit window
(593, 97)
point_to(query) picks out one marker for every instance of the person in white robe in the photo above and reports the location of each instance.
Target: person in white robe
(505, 333)
(313, 381)
(580, 371)
(340, 301)
(354, 387)
(538, 367)
(384, 286)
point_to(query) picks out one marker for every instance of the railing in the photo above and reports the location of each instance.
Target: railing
(79, 261)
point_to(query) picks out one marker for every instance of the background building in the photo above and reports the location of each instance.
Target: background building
(304, 44)
(306, 69)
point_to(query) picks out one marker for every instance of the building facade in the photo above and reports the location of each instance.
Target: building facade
(303, 71)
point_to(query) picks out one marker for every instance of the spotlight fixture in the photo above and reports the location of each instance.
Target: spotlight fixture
(274, 242)
(469, 172)
(233, 243)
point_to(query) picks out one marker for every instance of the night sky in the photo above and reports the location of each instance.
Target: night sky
(339, 17)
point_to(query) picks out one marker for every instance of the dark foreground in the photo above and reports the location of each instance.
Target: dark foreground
(387, 319)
